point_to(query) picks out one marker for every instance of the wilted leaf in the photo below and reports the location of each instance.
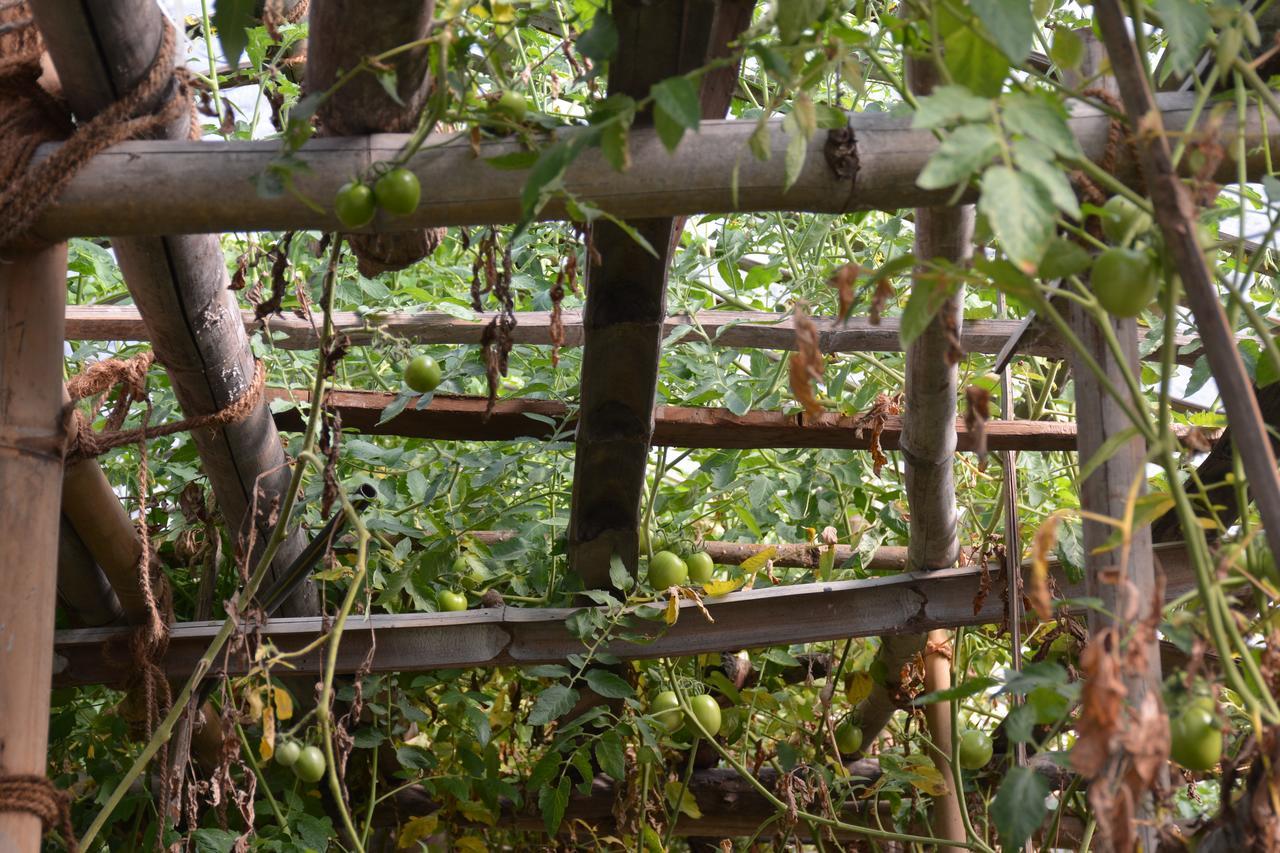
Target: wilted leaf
(416, 829)
(1041, 547)
(284, 704)
(757, 560)
(806, 364)
(718, 588)
(857, 686)
(267, 746)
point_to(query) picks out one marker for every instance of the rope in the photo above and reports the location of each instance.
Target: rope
(30, 116)
(84, 442)
(37, 796)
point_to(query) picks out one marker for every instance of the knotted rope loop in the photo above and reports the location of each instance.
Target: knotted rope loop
(30, 116)
(36, 795)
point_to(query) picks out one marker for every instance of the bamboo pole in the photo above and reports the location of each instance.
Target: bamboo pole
(180, 284)
(1123, 579)
(928, 449)
(728, 329)
(83, 588)
(178, 187)
(32, 436)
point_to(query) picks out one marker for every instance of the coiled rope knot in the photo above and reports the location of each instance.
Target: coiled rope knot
(36, 795)
(30, 115)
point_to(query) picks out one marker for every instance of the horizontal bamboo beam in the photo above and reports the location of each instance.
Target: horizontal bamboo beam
(742, 329)
(907, 603)
(455, 418)
(172, 187)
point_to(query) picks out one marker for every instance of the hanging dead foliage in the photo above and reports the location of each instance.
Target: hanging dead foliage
(1041, 547)
(843, 280)
(874, 419)
(976, 414)
(806, 365)
(486, 277)
(271, 306)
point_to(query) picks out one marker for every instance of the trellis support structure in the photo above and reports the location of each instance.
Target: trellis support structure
(180, 284)
(33, 286)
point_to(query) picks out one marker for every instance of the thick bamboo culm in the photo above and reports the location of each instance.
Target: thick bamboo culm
(33, 288)
(178, 187)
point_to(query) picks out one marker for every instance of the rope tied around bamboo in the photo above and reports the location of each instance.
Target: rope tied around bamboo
(37, 796)
(31, 115)
(149, 641)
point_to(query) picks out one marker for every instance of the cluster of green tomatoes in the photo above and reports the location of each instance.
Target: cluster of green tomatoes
(307, 762)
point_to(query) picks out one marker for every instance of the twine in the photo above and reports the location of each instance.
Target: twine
(84, 442)
(30, 116)
(36, 795)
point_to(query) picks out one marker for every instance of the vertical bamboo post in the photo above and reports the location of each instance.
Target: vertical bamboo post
(32, 434)
(1116, 576)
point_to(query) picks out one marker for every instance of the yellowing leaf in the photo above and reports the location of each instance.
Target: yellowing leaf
(476, 813)
(857, 687)
(1046, 537)
(673, 610)
(267, 747)
(718, 588)
(928, 779)
(284, 704)
(256, 707)
(417, 829)
(757, 560)
(688, 805)
(470, 843)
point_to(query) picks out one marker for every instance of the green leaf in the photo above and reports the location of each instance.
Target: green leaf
(547, 670)
(948, 105)
(619, 575)
(514, 161)
(797, 149)
(545, 174)
(613, 144)
(1063, 258)
(1108, 449)
(1013, 281)
(1037, 161)
(928, 293)
(1010, 23)
(1020, 212)
(678, 98)
(394, 408)
(795, 16)
(231, 19)
(551, 704)
(608, 684)
(552, 802)
(387, 79)
(1186, 25)
(214, 840)
(669, 130)
(966, 150)
(545, 770)
(974, 63)
(1040, 119)
(609, 755)
(970, 687)
(760, 142)
(1019, 806)
(601, 41)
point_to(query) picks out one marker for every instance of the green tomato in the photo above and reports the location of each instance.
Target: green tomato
(707, 712)
(511, 104)
(398, 191)
(287, 753)
(1067, 50)
(1122, 220)
(459, 565)
(1195, 738)
(1125, 281)
(700, 566)
(451, 601)
(848, 738)
(354, 205)
(310, 765)
(666, 708)
(975, 749)
(423, 374)
(666, 570)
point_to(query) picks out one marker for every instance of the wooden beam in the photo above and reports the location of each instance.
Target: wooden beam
(177, 187)
(180, 284)
(33, 287)
(627, 289)
(740, 329)
(905, 603)
(461, 419)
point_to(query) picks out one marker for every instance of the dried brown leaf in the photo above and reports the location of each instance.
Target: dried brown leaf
(806, 364)
(843, 280)
(977, 413)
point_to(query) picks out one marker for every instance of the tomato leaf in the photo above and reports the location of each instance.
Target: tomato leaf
(965, 151)
(1010, 23)
(609, 755)
(608, 684)
(601, 41)
(551, 704)
(1037, 118)
(678, 98)
(1019, 808)
(552, 802)
(757, 560)
(231, 19)
(1020, 212)
(1186, 25)
(974, 63)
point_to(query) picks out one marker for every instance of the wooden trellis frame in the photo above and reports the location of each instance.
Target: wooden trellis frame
(142, 191)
